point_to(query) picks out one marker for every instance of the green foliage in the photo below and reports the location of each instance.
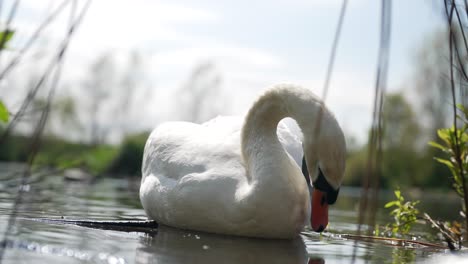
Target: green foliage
(15, 149)
(404, 213)
(62, 154)
(402, 153)
(454, 143)
(401, 127)
(355, 167)
(400, 164)
(123, 160)
(5, 37)
(129, 159)
(4, 116)
(98, 160)
(402, 255)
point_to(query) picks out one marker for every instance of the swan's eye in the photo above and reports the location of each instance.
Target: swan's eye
(322, 185)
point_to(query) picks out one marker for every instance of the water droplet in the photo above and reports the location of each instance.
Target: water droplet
(206, 247)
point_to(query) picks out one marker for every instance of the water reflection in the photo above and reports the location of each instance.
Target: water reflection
(403, 255)
(178, 246)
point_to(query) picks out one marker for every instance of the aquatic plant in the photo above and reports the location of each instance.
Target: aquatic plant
(455, 144)
(404, 213)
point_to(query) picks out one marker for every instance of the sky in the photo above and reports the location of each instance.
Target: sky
(254, 45)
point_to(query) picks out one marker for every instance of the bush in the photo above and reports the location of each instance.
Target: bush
(130, 156)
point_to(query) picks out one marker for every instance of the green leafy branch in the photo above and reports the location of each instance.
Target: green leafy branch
(455, 145)
(404, 213)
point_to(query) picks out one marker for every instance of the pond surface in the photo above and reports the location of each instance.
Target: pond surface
(117, 199)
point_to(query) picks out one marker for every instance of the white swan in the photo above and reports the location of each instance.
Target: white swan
(216, 178)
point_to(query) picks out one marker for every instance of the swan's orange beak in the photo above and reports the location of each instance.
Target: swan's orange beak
(319, 214)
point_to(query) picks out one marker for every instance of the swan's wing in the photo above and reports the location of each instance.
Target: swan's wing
(175, 149)
(187, 171)
(184, 160)
(225, 124)
(290, 137)
(171, 147)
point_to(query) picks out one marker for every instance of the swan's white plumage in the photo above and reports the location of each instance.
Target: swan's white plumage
(201, 177)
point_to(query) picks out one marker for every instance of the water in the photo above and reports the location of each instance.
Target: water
(117, 199)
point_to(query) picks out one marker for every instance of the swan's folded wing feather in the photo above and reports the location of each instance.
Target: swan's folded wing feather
(290, 139)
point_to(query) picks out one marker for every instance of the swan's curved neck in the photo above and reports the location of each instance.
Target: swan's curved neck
(259, 142)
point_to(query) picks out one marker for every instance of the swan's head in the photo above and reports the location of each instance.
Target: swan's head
(324, 162)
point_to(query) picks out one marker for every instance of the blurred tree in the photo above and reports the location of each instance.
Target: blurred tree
(116, 92)
(401, 132)
(355, 166)
(407, 159)
(432, 83)
(432, 87)
(130, 156)
(65, 109)
(200, 98)
(62, 114)
(400, 123)
(132, 92)
(431, 79)
(98, 84)
(401, 157)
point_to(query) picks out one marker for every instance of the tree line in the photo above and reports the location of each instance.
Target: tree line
(108, 101)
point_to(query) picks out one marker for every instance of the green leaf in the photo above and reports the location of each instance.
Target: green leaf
(390, 204)
(436, 145)
(444, 134)
(5, 37)
(4, 116)
(463, 109)
(446, 162)
(397, 193)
